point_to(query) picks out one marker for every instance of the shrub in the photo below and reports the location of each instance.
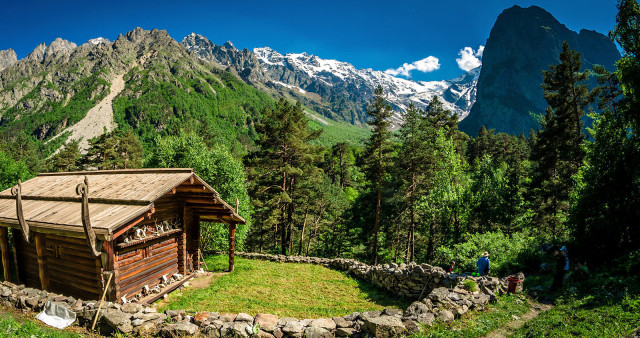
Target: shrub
(470, 285)
(508, 254)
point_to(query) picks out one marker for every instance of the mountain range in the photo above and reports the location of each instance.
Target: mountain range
(154, 84)
(333, 88)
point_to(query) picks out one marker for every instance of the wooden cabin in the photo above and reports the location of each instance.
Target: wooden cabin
(73, 231)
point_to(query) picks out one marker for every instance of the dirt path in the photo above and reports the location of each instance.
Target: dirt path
(518, 322)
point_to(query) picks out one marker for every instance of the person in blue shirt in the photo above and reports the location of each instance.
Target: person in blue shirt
(483, 264)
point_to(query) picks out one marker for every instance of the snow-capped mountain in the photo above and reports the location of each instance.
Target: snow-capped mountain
(334, 88)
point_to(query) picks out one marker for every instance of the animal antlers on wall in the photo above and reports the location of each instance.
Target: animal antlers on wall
(83, 190)
(17, 192)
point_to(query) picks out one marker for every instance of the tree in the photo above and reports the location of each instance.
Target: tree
(376, 151)
(278, 168)
(219, 169)
(67, 159)
(606, 211)
(11, 171)
(115, 150)
(558, 150)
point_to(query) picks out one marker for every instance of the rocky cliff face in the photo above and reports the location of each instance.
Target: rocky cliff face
(333, 88)
(56, 85)
(7, 58)
(522, 43)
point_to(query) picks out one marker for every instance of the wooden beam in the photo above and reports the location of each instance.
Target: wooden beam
(134, 223)
(203, 200)
(79, 199)
(4, 246)
(232, 246)
(191, 188)
(122, 171)
(42, 265)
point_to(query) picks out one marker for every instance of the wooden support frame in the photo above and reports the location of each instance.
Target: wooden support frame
(232, 246)
(4, 246)
(41, 252)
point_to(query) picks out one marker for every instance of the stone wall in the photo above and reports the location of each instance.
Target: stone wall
(444, 300)
(406, 280)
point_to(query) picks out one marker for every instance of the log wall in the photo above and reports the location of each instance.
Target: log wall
(145, 264)
(69, 266)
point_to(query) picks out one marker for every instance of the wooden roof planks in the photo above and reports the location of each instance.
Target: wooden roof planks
(116, 198)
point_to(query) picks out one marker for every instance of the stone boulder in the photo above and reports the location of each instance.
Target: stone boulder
(384, 326)
(317, 332)
(266, 322)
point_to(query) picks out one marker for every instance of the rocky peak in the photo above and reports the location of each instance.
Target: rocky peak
(522, 43)
(7, 58)
(228, 45)
(60, 46)
(38, 53)
(97, 41)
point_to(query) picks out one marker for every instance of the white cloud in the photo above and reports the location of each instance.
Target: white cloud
(469, 58)
(428, 64)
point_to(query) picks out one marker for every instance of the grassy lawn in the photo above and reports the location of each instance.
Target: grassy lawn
(12, 325)
(283, 289)
(477, 324)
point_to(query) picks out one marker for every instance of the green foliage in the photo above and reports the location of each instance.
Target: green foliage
(219, 169)
(120, 149)
(215, 104)
(11, 171)
(481, 323)
(50, 116)
(67, 159)
(470, 285)
(586, 316)
(12, 326)
(507, 254)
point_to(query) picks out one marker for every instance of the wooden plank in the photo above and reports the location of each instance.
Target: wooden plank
(42, 264)
(4, 247)
(151, 279)
(150, 299)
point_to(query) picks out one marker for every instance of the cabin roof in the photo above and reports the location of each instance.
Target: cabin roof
(116, 197)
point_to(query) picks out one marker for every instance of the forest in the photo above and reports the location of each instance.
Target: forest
(426, 192)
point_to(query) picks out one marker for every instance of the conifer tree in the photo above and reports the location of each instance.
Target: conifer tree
(376, 152)
(67, 159)
(558, 150)
(278, 170)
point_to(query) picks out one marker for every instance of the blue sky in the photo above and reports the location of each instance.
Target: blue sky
(369, 34)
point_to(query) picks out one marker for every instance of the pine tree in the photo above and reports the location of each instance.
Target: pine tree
(278, 170)
(67, 159)
(376, 152)
(558, 150)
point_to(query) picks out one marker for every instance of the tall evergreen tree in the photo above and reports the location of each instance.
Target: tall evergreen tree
(376, 152)
(278, 169)
(606, 212)
(413, 164)
(558, 150)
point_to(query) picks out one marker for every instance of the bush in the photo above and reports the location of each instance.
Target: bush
(507, 254)
(470, 285)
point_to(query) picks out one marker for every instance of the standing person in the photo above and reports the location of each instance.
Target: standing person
(562, 267)
(483, 264)
(450, 267)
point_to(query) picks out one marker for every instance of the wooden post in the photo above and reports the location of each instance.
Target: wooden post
(42, 267)
(4, 246)
(196, 241)
(232, 246)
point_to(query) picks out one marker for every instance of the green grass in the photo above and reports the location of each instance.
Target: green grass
(13, 326)
(588, 316)
(283, 289)
(337, 131)
(480, 323)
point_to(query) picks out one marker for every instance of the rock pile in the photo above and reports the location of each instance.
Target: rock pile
(445, 302)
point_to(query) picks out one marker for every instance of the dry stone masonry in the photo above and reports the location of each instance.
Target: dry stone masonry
(444, 299)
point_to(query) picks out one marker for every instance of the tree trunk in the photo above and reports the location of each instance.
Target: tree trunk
(304, 225)
(376, 227)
